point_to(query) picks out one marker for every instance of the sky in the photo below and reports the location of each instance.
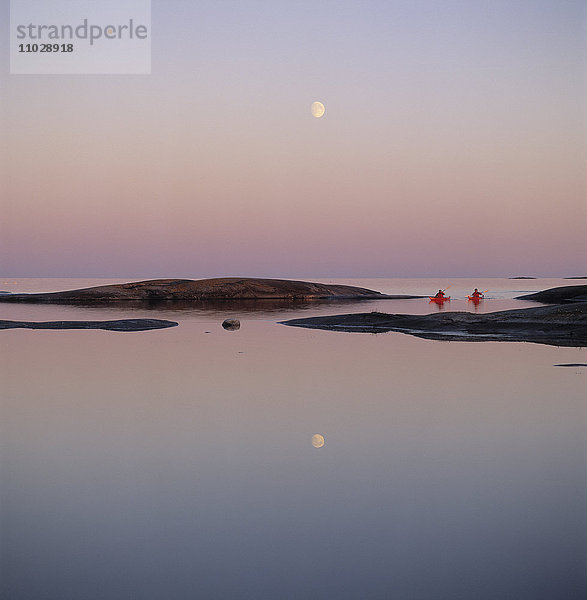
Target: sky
(453, 144)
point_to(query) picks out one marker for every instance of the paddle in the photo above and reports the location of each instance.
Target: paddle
(439, 297)
(436, 297)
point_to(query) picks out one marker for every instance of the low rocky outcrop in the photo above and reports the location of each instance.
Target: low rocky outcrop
(572, 365)
(564, 325)
(203, 290)
(567, 293)
(117, 325)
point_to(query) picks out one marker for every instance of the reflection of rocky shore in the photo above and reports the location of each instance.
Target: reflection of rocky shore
(564, 325)
(214, 308)
(188, 290)
(118, 325)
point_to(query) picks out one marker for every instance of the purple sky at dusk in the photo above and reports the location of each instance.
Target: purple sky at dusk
(454, 143)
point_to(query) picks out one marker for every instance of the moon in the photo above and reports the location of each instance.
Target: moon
(318, 440)
(318, 109)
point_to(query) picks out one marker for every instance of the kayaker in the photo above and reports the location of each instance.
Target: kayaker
(440, 294)
(476, 294)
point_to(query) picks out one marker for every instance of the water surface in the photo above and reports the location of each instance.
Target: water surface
(179, 463)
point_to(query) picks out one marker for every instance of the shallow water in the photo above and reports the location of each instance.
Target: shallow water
(178, 463)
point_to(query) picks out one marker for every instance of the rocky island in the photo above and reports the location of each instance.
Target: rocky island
(201, 290)
(561, 325)
(566, 293)
(116, 325)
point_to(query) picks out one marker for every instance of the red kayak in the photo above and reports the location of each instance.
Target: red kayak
(439, 298)
(475, 297)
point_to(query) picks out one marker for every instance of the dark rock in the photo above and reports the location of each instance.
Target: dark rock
(231, 324)
(118, 325)
(564, 325)
(572, 365)
(567, 293)
(188, 290)
(521, 277)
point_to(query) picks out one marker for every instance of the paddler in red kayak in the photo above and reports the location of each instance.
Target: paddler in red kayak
(477, 294)
(440, 294)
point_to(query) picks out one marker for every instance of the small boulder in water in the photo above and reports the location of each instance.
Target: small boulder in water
(231, 324)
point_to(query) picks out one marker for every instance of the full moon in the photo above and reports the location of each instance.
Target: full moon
(318, 440)
(318, 109)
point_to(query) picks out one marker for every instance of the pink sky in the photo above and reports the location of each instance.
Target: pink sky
(453, 144)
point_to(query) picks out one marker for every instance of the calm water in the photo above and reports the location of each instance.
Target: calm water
(178, 463)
